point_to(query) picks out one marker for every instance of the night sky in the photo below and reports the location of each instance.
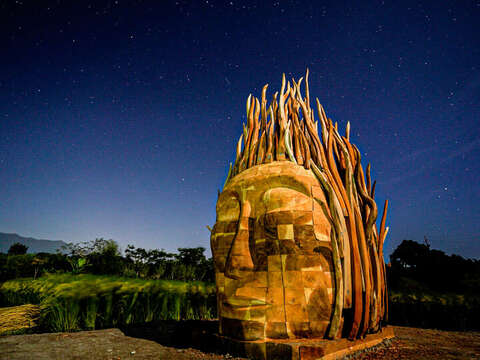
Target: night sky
(118, 119)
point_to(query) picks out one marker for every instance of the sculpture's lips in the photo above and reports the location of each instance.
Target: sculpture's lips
(241, 301)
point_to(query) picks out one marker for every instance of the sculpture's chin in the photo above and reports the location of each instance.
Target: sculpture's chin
(241, 313)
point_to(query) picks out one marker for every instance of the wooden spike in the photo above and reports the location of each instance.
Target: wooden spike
(362, 190)
(294, 88)
(250, 124)
(296, 140)
(372, 192)
(248, 104)
(264, 93)
(362, 242)
(316, 143)
(382, 234)
(323, 123)
(369, 179)
(248, 137)
(254, 139)
(307, 90)
(245, 133)
(261, 149)
(385, 235)
(299, 85)
(377, 269)
(334, 220)
(270, 139)
(306, 148)
(274, 102)
(357, 270)
(263, 124)
(229, 175)
(281, 99)
(301, 145)
(288, 144)
(282, 122)
(337, 155)
(239, 149)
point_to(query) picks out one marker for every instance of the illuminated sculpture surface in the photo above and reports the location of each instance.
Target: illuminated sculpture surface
(296, 248)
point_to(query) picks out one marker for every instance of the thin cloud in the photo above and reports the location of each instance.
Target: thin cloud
(415, 154)
(461, 151)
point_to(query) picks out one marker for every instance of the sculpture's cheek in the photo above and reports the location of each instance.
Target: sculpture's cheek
(319, 305)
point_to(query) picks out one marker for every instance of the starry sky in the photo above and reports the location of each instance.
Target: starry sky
(118, 119)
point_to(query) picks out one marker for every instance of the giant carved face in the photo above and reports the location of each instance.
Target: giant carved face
(272, 252)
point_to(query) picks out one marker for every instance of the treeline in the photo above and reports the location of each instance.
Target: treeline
(414, 266)
(427, 288)
(430, 289)
(103, 257)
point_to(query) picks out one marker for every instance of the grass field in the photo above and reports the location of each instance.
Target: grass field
(85, 302)
(433, 310)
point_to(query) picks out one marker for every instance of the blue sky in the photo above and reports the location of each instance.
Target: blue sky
(118, 118)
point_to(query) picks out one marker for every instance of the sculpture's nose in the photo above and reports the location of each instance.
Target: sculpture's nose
(239, 260)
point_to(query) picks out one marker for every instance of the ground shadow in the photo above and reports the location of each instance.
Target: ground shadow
(196, 334)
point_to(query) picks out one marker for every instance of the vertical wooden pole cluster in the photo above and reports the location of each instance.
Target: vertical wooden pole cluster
(287, 130)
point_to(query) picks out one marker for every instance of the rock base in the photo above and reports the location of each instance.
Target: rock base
(302, 349)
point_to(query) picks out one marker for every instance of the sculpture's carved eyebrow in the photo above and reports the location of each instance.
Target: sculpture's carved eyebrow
(290, 182)
(273, 181)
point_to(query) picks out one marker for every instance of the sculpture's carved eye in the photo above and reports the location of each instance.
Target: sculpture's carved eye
(228, 209)
(228, 213)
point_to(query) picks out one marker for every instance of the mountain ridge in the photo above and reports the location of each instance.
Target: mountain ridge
(34, 245)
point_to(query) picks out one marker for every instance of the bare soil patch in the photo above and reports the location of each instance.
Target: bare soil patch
(419, 344)
(109, 344)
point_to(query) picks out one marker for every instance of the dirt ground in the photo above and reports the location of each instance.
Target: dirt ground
(419, 344)
(410, 343)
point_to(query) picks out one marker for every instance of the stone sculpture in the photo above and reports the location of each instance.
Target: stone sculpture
(296, 247)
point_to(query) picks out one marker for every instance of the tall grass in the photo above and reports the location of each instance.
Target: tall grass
(75, 302)
(18, 319)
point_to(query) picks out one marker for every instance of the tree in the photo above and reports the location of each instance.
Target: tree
(431, 268)
(37, 263)
(100, 256)
(105, 247)
(105, 258)
(97, 246)
(138, 257)
(151, 263)
(17, 249)
(193, 265)
(191, 256)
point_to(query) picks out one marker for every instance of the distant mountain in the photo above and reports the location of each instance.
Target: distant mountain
(34, 245)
